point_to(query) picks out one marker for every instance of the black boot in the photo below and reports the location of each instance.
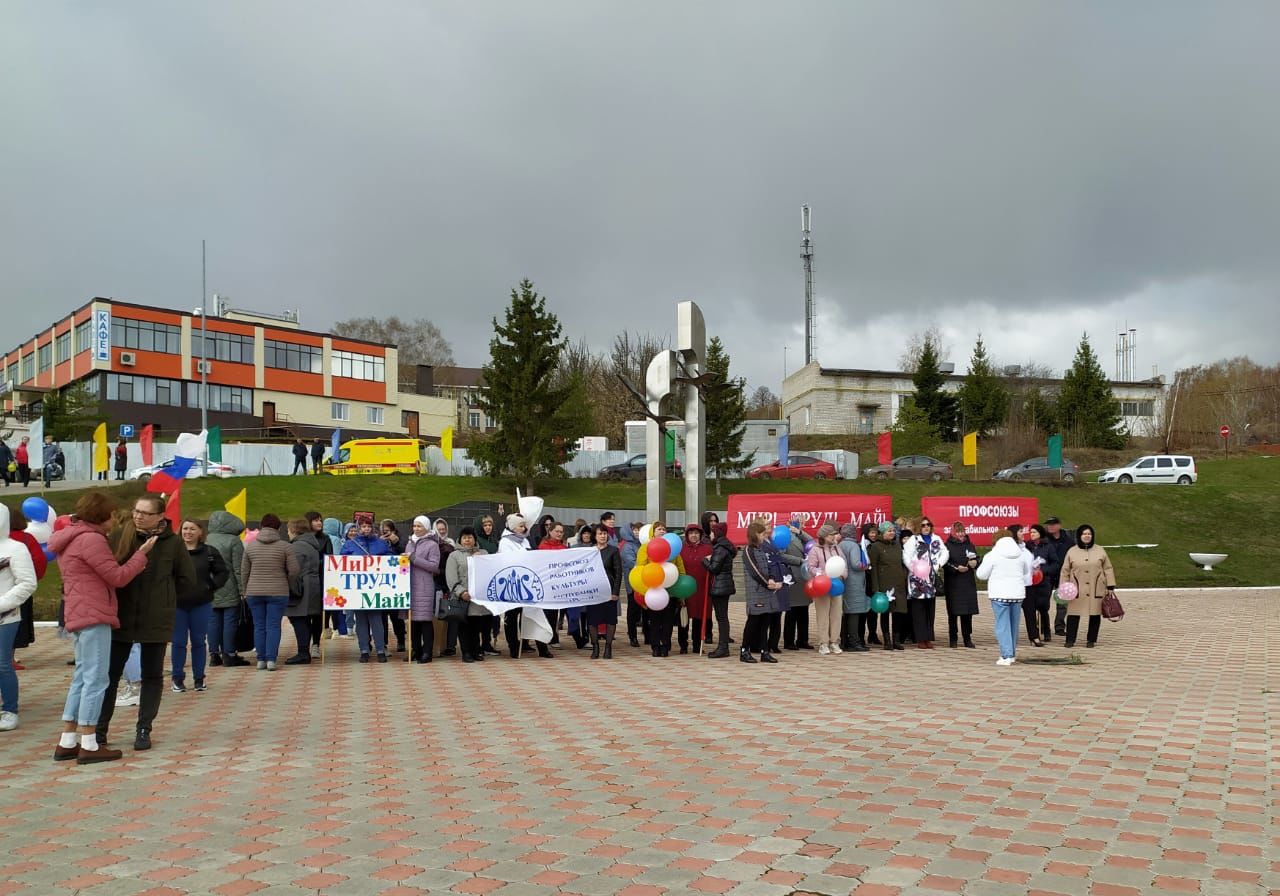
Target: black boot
(859, 646)
(595, 647)
(768, 657)
(719, 653)
(543, 650)
(608, 641)
(954, 642)
(745, 656)
(143, 739)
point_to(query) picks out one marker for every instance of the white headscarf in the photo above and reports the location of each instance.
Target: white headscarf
(426, 524)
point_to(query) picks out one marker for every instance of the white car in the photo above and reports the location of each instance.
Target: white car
(222, 471)
(1178, 469)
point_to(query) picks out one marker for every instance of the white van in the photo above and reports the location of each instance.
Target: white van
(1179, 469)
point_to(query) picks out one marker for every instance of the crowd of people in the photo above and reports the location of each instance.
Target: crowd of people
(135, 590)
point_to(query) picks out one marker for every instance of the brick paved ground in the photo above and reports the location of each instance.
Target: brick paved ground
(1151, 769)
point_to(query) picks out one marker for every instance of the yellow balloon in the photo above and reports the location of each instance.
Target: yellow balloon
(637, 580)
(642, 555)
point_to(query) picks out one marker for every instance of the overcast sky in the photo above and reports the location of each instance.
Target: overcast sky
(1031, 170)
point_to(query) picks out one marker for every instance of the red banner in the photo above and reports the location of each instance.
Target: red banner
(815, 510)
(884, 448)
(144, 443)
(982, 517)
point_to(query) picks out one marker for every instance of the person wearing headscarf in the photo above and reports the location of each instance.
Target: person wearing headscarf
(924, 555)
(960, 586)
(424, 565)
(1006, 570)
(854, 602)
(487, 537)
(889, 576)
(1089, 567)
(440, 531)
(827, 609)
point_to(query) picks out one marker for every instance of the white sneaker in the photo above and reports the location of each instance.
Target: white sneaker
(1004, 661)
(823, 650)
(129, 696)
(8, 721)
(315, 651)
(835, 648)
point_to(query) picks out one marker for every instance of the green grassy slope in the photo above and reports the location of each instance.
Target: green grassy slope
(1232, 497)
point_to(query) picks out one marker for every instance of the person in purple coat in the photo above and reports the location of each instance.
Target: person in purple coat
(424, 565)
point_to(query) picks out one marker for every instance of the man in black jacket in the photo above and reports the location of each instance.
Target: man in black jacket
(299, 458)
(1061, 541)
(317, 455)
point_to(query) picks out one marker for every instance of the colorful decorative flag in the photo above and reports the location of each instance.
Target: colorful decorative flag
(1055, 451)
(101, 453)
(239, 506)
(215, 444)
(334, 442)
(784, 449)
(145, 443)
(35, 443)
(969, 450)
(884, 448)
(446, 443)
(168, 482)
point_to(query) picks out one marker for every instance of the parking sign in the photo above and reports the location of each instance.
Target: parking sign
(126, 430)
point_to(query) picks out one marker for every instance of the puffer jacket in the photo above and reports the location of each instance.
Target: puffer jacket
(224, 537)
(1006, 570)
(456, 576)
(17, 573)
(269, 565)
(90, 576)
(149, 603)
(720, 566)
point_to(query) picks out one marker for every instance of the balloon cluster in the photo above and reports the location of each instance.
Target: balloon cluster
(42, 522)
(657, 578)
(829, 582)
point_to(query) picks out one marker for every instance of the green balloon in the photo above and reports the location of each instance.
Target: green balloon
(879, 602)
(684, 587)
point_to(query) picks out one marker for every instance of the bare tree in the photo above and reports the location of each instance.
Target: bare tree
(417, 341)
(909, 360)
(764, 404)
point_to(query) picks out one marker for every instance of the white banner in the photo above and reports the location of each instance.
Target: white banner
(547, 580)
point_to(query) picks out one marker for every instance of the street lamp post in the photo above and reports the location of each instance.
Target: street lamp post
(204, 360)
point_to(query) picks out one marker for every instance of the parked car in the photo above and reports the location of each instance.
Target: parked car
(798, 466)
(220, 470)
(638, 468)
(1169, 468)
(911, 466)
(1037, 469)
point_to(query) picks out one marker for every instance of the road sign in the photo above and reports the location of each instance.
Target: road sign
(126, 430)
(1225, 431)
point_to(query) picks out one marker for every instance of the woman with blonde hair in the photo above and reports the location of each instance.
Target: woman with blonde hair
(195, 607)
(764, 572)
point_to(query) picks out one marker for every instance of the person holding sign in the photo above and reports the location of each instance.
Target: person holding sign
(368, 628)
(456, 575)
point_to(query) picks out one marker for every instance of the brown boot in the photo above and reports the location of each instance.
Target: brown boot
(62, 754)
(102, 754)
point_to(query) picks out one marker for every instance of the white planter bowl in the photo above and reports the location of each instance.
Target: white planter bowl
(1208, 561)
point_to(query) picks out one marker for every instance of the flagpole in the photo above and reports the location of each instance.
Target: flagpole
(204, 363)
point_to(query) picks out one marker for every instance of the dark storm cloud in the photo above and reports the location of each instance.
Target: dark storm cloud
(1031, 170)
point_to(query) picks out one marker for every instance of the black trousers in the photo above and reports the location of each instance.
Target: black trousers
(851, 625)
(922, 616)
(755, 634)
(1036, 619)
(1060, 619)
(512, 627)
(965, 623)
(422, 634)
(720, 607)
(397, 626)
(24, 473)
(773, 632)
(796, 629)
(635, 618)
(874, 620)
(299, 463)
(469, 631)
(152, 657)
(302, 633)
(1073, 629)
(901, 626)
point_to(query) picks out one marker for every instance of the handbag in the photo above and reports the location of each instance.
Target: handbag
(451, 609)
(244, 631)
(1111, 607)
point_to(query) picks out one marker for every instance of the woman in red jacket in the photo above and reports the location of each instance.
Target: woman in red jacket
(90, 576)
(696, 548)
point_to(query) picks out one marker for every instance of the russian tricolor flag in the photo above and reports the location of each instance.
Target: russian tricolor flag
(168, 482)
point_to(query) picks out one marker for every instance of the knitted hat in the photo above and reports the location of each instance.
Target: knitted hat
(826, 530)
(514, 521)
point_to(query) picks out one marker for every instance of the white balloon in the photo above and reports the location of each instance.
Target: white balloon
(53, 515)
(669, 574)
(837, 568)
(40, 532)
(656, 599)
(646, 533)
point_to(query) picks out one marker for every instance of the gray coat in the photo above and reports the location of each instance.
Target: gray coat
(455, 571)
(310, 577)
(755, 569)
(793, 556)
(224, 537)
(855, 598)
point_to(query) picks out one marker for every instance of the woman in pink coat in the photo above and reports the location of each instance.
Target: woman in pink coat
(90, 577)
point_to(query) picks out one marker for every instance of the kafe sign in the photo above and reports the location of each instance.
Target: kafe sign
(815, 511)
(362, 582)
(983, 518)
(102, 334)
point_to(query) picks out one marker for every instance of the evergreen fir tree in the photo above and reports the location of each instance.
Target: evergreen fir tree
(1039, 412)
(913, 431)
(938, 406)
(72, 414)
(1087, 408)
(726, 411)
(539, 412)
(984, 400)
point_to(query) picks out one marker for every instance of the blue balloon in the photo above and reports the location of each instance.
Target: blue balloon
(48, 554)
(35, 509)
(781, 537)
(674, 540)
(837, 587)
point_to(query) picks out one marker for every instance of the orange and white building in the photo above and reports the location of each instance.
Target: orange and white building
(267, 377)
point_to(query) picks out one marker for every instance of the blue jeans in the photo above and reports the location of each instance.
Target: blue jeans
(133, 665)
(190, 625)
(267, 613)
(9, 678)
(90, 680)
(222, 630)
(370, 623)
(1007, 613)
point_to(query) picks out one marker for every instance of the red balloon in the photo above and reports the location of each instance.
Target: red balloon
(659, 550)
(821, 584)
(1037, 576)
(61, 522)
(809, 590)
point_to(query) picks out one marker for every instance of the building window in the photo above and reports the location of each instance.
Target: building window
(234, 399)
(291, 356)
(84, 336)
(28, 367)
(340, 410)
(404, 419)
(1138, 408)
(45, 353)
(11, 374)
(488, 422)
(144, 390)
(62, 347)
(230, 347)
(373, 415)
(146, 336)
(473, 419)
(355, 366)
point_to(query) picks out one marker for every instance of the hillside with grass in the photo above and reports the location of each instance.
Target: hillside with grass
(1232, 496)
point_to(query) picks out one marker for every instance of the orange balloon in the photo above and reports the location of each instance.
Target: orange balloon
(653, 574)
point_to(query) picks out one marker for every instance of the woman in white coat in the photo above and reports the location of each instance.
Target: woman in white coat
(1006, 570)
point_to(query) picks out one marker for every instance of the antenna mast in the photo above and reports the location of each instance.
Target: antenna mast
(810, 313)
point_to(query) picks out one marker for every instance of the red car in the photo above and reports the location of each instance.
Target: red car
(798, 466)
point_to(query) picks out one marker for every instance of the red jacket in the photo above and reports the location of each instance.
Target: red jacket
(693, 554)
(91, 575)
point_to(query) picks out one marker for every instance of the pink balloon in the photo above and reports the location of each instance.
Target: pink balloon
(250, 535)
(1068, 591)
(656, 599)
(921, 568)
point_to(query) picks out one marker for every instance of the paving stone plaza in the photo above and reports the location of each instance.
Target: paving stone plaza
(1152, 768)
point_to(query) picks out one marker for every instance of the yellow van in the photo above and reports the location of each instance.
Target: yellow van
(378, 456)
